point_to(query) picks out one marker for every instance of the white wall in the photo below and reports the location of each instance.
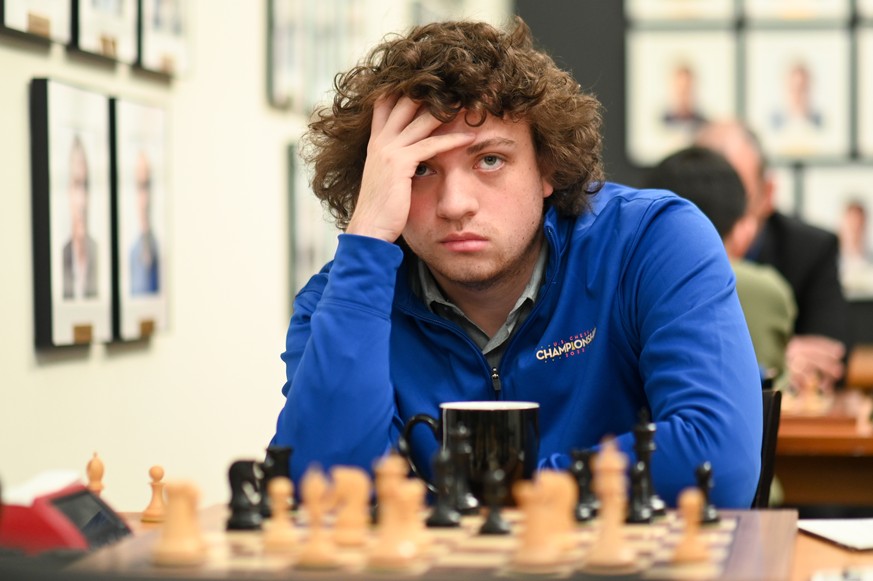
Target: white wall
(207, 390)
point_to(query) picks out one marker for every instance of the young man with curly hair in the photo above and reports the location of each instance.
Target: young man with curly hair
(485, 257)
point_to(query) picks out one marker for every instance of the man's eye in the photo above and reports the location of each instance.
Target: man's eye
(421, 170)
(491, 161)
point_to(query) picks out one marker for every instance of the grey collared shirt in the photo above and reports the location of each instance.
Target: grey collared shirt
(426, 288)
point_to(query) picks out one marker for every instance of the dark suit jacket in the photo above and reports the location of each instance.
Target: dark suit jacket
(808, 258)
(90, 275)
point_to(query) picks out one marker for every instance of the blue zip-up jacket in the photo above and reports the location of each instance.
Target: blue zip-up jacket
(637, 310)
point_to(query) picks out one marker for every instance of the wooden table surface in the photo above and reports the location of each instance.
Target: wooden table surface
(827, 458)
(762, 549)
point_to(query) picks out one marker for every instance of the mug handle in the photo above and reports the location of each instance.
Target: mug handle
(405, 448)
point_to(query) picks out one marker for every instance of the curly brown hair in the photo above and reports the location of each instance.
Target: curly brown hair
(455, 66)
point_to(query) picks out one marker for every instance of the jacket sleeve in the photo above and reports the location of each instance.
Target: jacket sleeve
(696, 359)
(339, 400)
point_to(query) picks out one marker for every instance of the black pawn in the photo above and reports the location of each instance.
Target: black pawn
(580, 468)
(244, 477)
(644, 446)
(276, 463)
(495, 493)
(460, 451)
(443, 513)
(709, 514)
(640, 511)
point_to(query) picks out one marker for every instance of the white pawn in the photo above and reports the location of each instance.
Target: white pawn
(352, 494)
(318, 551)
(691, 547)
(611, 550)
(279, 534)
(181, 543)
(393, 548)
(156, 510)
(539, 548)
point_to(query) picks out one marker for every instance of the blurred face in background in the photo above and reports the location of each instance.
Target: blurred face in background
(143, 192)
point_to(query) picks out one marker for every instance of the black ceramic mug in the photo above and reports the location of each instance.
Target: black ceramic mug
(501, 434)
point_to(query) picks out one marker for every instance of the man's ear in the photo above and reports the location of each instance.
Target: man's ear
(741, 236)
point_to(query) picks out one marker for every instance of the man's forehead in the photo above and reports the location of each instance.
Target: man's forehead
(492, 127)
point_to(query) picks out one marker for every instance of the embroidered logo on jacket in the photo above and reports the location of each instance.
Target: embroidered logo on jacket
(566, 347)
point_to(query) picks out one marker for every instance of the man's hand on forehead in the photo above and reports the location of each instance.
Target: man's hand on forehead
(401, 137)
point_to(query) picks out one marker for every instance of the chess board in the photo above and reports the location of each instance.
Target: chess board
(751, 545)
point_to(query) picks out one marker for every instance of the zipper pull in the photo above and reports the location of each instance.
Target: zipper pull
(495, 380)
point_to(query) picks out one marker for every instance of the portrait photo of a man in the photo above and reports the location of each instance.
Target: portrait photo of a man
(80, 251)
(144, 271)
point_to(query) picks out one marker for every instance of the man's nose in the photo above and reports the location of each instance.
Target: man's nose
(457, 196)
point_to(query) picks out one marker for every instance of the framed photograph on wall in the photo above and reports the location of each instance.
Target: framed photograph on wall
(676, 81)
(797, 92)
(286, 67)
(313, 233)
(840, 199)
(70, 168)
(106, 28)
(696, 10)
(140, 211)
(44, 19)
(865, 92)
(163, 38)
(794, 10)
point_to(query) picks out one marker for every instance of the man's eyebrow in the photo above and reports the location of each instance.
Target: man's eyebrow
(494, 141)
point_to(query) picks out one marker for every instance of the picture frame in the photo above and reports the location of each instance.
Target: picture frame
(45, 20)
(839, 198)
(312, 231)
(139, 212)
(672, 10)
(797, 10)
(676, 81)
(70, 171)
(286, 67)
(797, 92)
(864, 88)
(163, 37)
(106, 28)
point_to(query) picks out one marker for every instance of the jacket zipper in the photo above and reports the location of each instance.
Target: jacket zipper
(495, 381)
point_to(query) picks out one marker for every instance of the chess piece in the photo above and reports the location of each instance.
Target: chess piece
(276, 463)
(94, 470)
(461, 451)
(580, 467)
(640, 510)
(181, 543)
(393, 549)
(352, 497)
(245, 514)
(538, 549)
(561, 493)
(691, 548)
(318, 550)
(444, 513)
(610, 551)
(644, 447)
(279, 535)
(155, 511)
(495, 493)
(709, 514)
